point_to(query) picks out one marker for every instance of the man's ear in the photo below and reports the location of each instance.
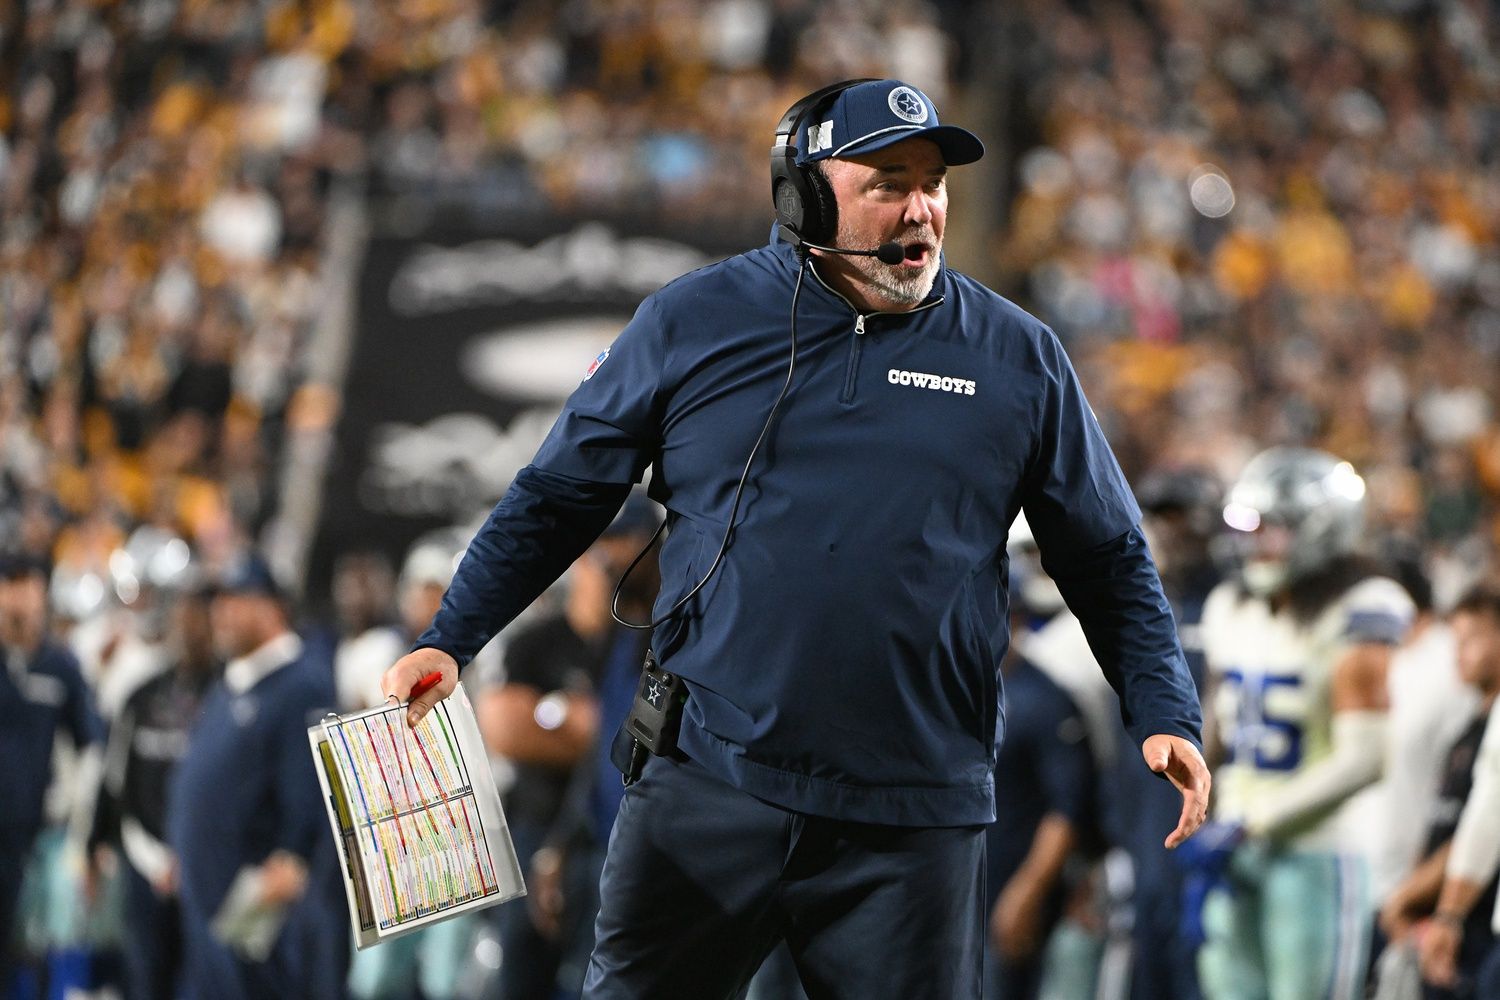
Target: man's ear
(820, 175)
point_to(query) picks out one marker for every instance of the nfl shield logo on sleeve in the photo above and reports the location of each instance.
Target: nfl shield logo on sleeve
(594, 366)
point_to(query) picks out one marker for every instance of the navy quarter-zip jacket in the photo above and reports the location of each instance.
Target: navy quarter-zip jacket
(843, 660)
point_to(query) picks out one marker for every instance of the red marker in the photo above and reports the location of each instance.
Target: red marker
(424, 685)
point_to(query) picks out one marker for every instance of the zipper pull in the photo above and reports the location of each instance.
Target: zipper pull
(859, 323)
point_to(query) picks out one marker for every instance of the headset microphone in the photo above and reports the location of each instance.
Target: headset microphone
(886, 253)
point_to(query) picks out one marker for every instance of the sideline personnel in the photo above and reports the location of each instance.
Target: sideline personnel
(837, 746)
(244, 812)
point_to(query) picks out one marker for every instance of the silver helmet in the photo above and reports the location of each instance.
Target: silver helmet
(1294, 511)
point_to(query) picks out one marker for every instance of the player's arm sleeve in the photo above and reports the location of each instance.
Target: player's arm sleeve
(1356, 760)
(1475, 854)
(605, 438)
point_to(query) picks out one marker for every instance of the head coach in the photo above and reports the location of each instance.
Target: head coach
(842, 429)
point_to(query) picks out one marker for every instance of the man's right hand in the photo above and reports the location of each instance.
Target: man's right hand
(398, 681)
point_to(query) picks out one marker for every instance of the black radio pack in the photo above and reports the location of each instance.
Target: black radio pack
(654, 719)
(656, 714)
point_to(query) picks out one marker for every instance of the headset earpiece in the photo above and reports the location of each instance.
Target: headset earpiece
(802, 197)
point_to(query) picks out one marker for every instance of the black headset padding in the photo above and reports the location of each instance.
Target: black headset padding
(803, 198)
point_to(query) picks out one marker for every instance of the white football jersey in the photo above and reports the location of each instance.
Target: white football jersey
(1271, 680)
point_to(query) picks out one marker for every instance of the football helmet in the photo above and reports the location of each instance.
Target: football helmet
(1293, 511)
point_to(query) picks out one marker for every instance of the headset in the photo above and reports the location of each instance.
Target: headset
(807, 218)
(807, 214)
(805, 206)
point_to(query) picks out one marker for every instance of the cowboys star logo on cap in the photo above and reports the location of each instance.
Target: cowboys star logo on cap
(906, 104)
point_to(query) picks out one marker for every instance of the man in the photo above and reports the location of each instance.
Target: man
(832, 583)
(146, 743)
(1297, 651)
(42, 693)
(1459, 957)
(245, 815)
(1431, 706)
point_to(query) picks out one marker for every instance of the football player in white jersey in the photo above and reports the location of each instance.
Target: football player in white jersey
(1297, 651)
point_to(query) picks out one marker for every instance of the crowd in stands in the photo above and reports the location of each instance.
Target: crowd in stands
(1260, 224)
(165, 171)
(1250, 224)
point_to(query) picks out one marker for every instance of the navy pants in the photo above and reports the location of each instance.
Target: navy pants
(702, 880)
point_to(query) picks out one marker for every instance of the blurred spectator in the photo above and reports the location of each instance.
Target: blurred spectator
(1456, 944)
(1048, 813)
(1431, 705)
(245, 815)
(1458, 885)
(1268, 193)
(145, 745)
(1182, 515)
(42, 694)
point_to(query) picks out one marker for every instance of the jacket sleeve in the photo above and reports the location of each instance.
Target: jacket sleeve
(1074, 494)
(543, 523)
(1116, 593)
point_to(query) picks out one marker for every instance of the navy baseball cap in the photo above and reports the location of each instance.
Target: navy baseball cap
(871, 116)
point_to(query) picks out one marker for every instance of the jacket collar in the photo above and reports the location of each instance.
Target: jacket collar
(243, 673)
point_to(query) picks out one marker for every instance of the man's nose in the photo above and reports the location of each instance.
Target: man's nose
(918, 209)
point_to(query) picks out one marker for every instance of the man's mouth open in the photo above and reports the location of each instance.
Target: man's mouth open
(917, 255)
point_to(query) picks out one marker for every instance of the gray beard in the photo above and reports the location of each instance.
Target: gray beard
(894, 283)
(896, 286)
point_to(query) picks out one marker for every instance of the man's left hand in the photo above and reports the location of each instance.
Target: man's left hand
(1183, 765)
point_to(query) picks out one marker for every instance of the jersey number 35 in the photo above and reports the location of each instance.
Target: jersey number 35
(1258, 735)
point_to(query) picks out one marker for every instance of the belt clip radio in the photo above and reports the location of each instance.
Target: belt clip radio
(655, 716)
